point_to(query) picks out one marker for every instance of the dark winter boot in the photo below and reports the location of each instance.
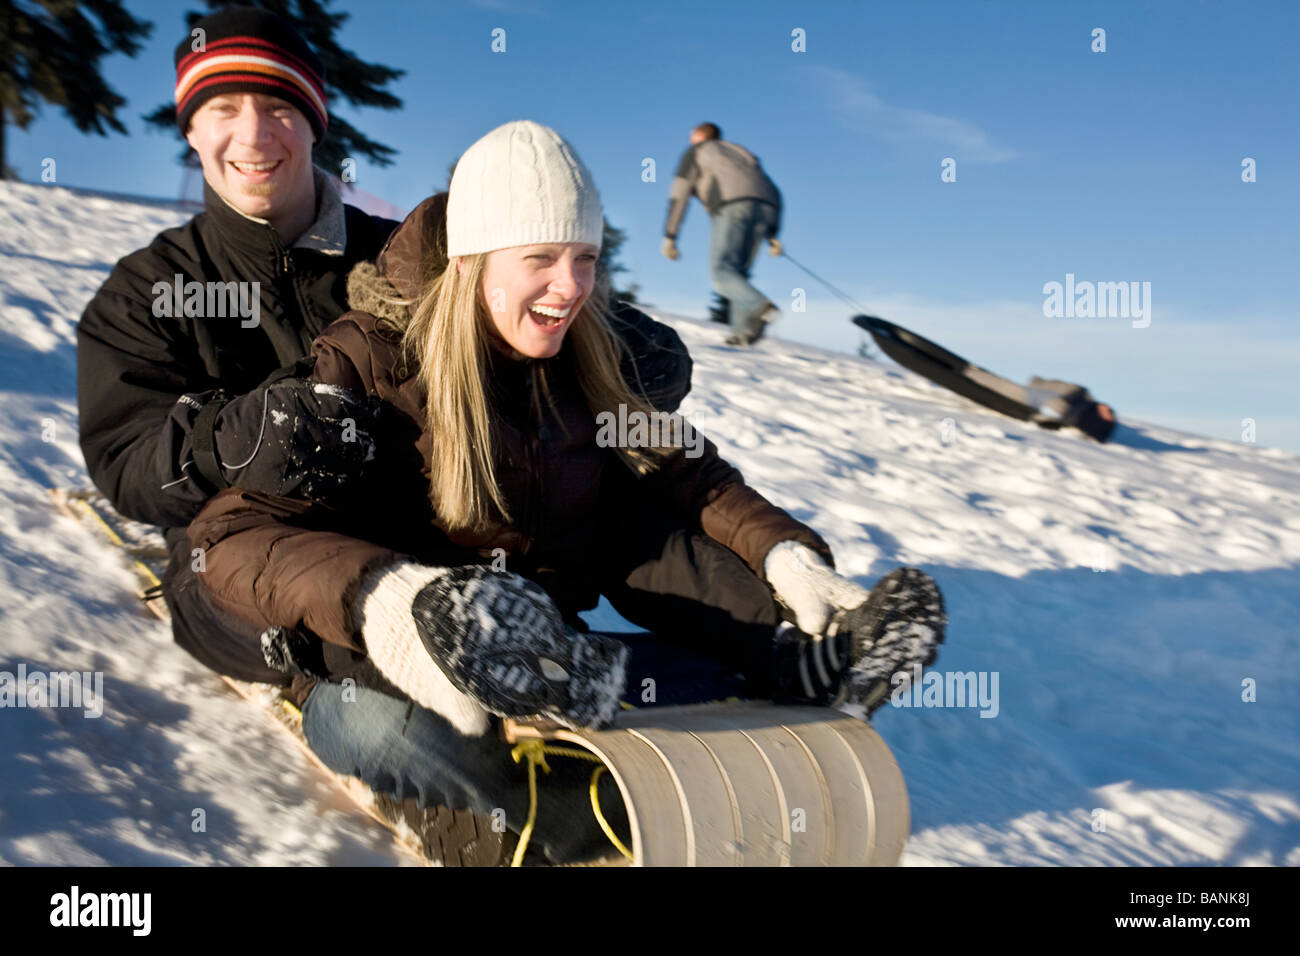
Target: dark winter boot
(807, 670)
(759, 323)
(720, 309)
(755, 326)
(901, 624)
(500, 640)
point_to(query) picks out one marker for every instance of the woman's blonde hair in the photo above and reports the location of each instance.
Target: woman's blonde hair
(447, 338)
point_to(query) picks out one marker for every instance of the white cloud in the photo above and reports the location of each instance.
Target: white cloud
(858, 107)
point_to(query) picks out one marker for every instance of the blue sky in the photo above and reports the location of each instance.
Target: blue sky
(1115, 166)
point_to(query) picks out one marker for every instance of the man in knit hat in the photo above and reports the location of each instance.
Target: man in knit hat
(745, 206)
(251, 101)
(192, 356)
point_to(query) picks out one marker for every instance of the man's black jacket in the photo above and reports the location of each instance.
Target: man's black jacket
(142, 378)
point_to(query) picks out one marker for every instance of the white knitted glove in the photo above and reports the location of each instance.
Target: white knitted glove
(384, 613)
(805, 584)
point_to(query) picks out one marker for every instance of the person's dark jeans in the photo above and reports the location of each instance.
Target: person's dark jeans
(711, 620)
(739, 228)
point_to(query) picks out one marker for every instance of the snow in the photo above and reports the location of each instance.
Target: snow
(1127, 596)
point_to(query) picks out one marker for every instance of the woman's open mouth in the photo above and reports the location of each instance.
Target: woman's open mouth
(548, 317)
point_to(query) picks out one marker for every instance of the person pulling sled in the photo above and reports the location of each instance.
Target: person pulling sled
(745, 207)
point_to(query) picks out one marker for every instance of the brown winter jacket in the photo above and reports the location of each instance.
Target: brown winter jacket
(276, 561)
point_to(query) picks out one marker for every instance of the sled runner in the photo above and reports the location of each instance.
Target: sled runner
(1047, 403)
(738, 783)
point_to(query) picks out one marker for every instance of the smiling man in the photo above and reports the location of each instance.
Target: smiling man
(175, 401)
(256, 154)
(250, 98)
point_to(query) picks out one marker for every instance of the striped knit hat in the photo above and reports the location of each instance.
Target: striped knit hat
(247, 50)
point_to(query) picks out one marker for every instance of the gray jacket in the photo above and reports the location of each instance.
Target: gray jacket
(718, 172)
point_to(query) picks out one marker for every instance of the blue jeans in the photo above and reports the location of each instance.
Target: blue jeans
(739, 228)
(402, 749)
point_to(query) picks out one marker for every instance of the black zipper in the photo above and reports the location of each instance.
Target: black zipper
(289, 272)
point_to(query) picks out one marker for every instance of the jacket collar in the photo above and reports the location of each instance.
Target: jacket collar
(328, 234)
(501, 349)
(516, 381)
(510, 372)
(254, 236)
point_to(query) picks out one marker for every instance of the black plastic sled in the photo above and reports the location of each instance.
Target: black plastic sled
(1048, 403)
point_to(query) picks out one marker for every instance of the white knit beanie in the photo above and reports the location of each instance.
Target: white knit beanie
(521, 184)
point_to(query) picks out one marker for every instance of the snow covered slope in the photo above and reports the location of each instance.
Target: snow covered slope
(1121, 593)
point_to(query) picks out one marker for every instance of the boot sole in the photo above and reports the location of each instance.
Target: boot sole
(527, 663)
(902, 623)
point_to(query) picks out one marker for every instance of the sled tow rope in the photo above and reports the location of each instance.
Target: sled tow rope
(857, 305)
(535, 752)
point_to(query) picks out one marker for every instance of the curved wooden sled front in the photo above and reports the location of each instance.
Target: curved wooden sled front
(750, 784)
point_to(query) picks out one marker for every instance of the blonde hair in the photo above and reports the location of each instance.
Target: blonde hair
(447, 337)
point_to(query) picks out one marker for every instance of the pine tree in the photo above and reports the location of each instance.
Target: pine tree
(50, 51)
(610, 245)
(346, 76)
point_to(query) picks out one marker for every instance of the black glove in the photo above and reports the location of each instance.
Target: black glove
(656, 363)
(293, 438)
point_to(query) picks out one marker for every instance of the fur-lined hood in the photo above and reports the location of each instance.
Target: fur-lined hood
(387, 287)
(368, 291)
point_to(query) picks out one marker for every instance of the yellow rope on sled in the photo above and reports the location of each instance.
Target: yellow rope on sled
(535, 752)
(600, 817)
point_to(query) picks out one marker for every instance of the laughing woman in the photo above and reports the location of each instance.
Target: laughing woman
(449, 584)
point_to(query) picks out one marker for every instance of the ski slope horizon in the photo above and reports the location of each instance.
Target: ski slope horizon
(1128, 596)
